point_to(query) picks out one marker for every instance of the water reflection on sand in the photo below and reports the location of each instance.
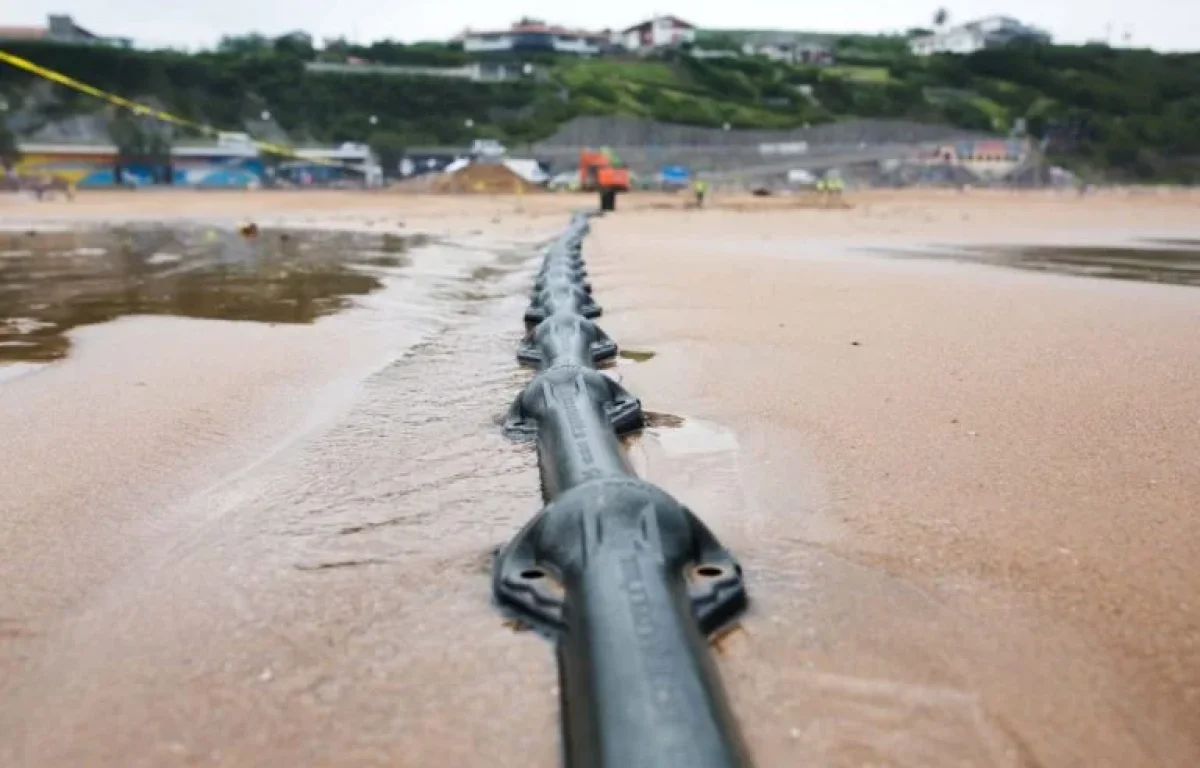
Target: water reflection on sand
(1172, 261)
(51, 282)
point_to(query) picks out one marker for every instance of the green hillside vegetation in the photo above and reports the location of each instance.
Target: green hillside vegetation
(1129, 114)
(742, 93)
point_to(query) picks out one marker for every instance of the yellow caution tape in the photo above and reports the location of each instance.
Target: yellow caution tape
(142, 109)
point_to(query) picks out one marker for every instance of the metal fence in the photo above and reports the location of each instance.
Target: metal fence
(737, 157)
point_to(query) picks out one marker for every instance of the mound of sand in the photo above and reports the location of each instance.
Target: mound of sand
(483, 178)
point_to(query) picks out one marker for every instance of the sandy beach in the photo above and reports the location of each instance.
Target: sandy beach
(964, 495)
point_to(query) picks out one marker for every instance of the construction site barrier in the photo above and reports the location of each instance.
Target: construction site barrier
(625, 578)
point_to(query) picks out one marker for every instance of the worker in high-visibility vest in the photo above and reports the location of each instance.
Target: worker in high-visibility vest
(700, 188)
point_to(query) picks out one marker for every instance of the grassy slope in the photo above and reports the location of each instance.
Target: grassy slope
(660, 90)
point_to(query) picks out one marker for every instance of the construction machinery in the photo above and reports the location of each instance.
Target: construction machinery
(602, 171)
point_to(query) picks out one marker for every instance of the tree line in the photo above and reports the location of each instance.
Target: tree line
(1130, 114)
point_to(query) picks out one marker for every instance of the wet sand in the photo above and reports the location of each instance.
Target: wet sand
(963, 495)
(220, 538)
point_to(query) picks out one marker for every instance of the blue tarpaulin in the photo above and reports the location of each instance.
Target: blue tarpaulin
(675, 174)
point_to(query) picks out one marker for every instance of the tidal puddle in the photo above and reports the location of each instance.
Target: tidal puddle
(692, 437)
(1175, 262)
(52, 282)
(673, 447)
(623, 358)
(636, 355)
(654, 420)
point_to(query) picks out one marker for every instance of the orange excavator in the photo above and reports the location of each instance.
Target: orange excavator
(602, 171)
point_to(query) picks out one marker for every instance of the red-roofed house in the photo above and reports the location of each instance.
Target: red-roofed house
(659, 32)
(61, 29)
(23, 33)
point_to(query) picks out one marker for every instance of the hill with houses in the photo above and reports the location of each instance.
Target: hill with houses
(1126, 113)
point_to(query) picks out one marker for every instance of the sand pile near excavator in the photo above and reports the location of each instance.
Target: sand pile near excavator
(483, 178)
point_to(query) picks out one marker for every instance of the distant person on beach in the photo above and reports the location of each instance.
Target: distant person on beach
(836, 186)
(40, 186)
(828, 188)
(44, 184)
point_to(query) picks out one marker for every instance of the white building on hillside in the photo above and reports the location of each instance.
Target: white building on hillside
(659, 32)
(991, 32)
(789, 47)
(534, 37)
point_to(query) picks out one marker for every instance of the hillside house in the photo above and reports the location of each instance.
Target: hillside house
(62, 29)
(655, 33)
(790, 47)
(535, 36)
(990, 32)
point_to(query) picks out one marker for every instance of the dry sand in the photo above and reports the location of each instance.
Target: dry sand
(964, 496)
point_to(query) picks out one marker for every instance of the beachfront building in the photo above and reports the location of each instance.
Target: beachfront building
(986, 159)
(990, 32)
(232, 162)
(98, 165)
(529, 36)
